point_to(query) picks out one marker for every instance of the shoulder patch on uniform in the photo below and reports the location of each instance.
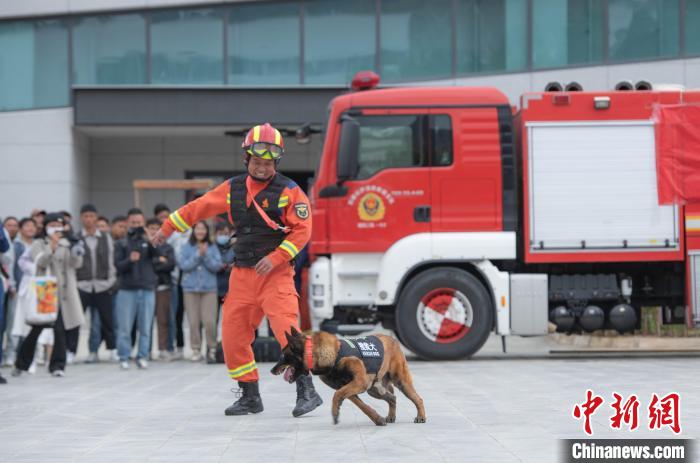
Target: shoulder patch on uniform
(302, 210)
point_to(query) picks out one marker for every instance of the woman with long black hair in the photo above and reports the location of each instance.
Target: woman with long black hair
(199, 262)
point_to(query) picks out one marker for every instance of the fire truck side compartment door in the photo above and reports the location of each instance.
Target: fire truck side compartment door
(528, 304)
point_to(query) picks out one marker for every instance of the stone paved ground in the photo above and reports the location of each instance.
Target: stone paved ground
(485, 410)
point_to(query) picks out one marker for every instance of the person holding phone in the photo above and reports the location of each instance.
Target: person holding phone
(55, 255)
(134, 256)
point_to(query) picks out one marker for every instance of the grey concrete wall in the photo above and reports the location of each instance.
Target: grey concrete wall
(43, 164)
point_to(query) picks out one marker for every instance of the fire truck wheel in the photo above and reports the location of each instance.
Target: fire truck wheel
(444, 314)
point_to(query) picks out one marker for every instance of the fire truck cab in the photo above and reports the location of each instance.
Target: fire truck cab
(447, 214)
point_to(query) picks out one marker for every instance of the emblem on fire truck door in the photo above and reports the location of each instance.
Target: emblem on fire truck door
(371, 207)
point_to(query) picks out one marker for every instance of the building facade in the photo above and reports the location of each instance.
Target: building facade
(97, 93)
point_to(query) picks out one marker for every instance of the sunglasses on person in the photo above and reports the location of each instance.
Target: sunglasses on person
(265, 150)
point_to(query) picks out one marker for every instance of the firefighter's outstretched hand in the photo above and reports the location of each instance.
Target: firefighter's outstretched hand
(264, 266)
(158, 239)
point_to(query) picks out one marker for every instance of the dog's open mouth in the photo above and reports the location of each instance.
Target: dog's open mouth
(289, 374)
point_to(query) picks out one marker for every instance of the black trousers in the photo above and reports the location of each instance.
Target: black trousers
(25, 354)
(179, 317)
(102, 302)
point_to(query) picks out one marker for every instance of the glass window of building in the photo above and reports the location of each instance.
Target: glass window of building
(109, 49)
(187, 47)
(566, 32)
(339, 40)
(33, 64)
(641, 29)
(491, 35)
(692, 27)
(416, 39)
(263, 44)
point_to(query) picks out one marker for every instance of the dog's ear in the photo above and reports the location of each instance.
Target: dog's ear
(296, 343)
(295, 333)
(290, 337)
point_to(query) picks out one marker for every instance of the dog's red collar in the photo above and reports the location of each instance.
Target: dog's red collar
(308, 354)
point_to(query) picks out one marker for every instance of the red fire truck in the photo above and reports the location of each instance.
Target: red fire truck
(447, 214)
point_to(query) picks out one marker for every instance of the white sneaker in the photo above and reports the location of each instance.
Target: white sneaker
(164, 356)
(58, 374)
(142, 364)
(70, 358)
(176, 355)
(196, 357)
(92, 358)
(114, 356)
(32, 368)
(124, 365)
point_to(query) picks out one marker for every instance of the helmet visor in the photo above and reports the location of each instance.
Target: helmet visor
(265, 150)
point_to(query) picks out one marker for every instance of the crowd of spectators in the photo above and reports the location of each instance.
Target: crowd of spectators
(110, 275)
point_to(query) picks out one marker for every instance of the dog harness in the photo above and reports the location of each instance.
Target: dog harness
(368, 349)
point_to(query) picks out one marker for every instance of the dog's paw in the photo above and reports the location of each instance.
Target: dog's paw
(390, 419)
(419, 419)
(380, 421)
(336, 419)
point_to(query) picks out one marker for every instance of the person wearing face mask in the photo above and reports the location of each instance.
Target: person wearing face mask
(272, 217)
(134, 258)
(225, 242)
(57, 256)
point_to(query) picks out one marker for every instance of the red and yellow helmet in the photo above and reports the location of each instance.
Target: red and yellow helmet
(264, 141)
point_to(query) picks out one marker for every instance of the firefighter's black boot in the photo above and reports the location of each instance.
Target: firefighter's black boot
(307, 397)
(249, 402)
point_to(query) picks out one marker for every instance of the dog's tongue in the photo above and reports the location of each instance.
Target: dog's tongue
(288, 373)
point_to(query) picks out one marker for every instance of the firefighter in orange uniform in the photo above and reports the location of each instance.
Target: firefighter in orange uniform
(273, 222)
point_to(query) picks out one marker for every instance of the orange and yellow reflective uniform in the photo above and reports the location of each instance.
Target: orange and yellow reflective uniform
(252, 296)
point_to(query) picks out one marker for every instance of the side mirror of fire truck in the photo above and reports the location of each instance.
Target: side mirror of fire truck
(348, 149)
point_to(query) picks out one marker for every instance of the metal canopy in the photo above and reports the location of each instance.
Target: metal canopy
(178, 106)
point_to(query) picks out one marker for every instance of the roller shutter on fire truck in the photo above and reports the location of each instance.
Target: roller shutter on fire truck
(593, 186)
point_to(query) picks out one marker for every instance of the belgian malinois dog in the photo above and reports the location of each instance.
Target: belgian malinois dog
(352, 366)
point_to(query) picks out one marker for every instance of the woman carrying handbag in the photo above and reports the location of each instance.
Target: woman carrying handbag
(58, 308)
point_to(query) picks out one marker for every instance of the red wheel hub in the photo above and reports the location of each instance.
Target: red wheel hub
(444, 315)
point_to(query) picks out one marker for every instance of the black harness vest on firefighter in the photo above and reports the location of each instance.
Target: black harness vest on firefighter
(369, 349)
(255, 238)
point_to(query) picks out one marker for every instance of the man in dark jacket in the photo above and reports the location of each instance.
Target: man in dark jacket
(164, 263)
(133, 258)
